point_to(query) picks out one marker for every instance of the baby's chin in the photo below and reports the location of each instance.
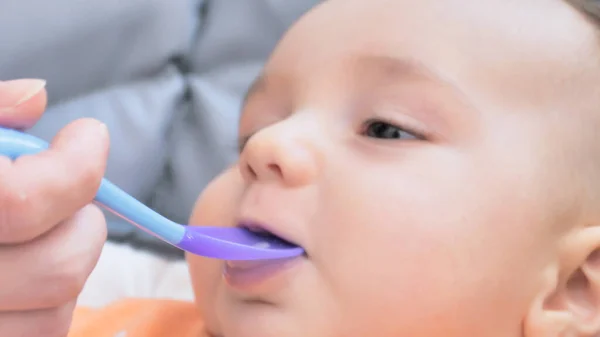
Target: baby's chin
(227, 315)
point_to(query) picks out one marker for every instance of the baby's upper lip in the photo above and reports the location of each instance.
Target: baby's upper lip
(267, 226)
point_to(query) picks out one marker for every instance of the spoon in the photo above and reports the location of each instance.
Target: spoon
(227, 243)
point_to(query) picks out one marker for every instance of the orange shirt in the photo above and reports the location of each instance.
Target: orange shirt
(139, 318)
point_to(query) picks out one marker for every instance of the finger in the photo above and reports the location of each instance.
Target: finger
(54, 322)
(52, 269)
(22, 102)
(39, 191)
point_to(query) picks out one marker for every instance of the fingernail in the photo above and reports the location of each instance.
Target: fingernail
(102, 130)
(15, 92)
(88, 136)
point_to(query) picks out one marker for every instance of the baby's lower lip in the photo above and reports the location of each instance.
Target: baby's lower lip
(246, 276)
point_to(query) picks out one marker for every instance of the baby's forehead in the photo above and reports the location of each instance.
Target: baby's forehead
(496, 47)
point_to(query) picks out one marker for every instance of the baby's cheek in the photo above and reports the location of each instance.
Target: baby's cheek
(205, 274)
(216, 206)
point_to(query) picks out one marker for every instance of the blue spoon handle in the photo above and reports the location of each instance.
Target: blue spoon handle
(216, 242)
(15, 144)
(115, 200)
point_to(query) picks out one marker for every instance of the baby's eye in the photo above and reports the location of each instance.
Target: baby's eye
(242, 141)
(384, 130)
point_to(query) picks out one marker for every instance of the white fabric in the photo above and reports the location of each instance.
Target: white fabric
(124, 272)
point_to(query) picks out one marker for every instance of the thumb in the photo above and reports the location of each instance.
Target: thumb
(22, 102)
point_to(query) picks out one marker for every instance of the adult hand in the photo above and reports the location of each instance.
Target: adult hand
(50, 235)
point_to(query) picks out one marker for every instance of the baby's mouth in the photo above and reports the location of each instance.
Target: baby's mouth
(271, 239)
(259, 276)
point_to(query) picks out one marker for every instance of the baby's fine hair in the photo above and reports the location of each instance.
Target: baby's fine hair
(591, 8)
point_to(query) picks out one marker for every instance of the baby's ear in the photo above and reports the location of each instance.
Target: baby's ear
(569, 305)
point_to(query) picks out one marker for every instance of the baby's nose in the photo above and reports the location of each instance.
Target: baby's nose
(280, 153)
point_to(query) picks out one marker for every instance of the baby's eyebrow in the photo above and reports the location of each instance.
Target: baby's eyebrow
(376, 70)
(439, 96)
(391, 68)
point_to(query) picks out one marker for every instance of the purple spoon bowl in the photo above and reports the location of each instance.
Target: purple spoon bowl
(219, 242)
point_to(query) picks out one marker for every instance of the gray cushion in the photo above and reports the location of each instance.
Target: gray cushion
(167, 77)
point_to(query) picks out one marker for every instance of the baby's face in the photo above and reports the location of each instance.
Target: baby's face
(412, 148)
